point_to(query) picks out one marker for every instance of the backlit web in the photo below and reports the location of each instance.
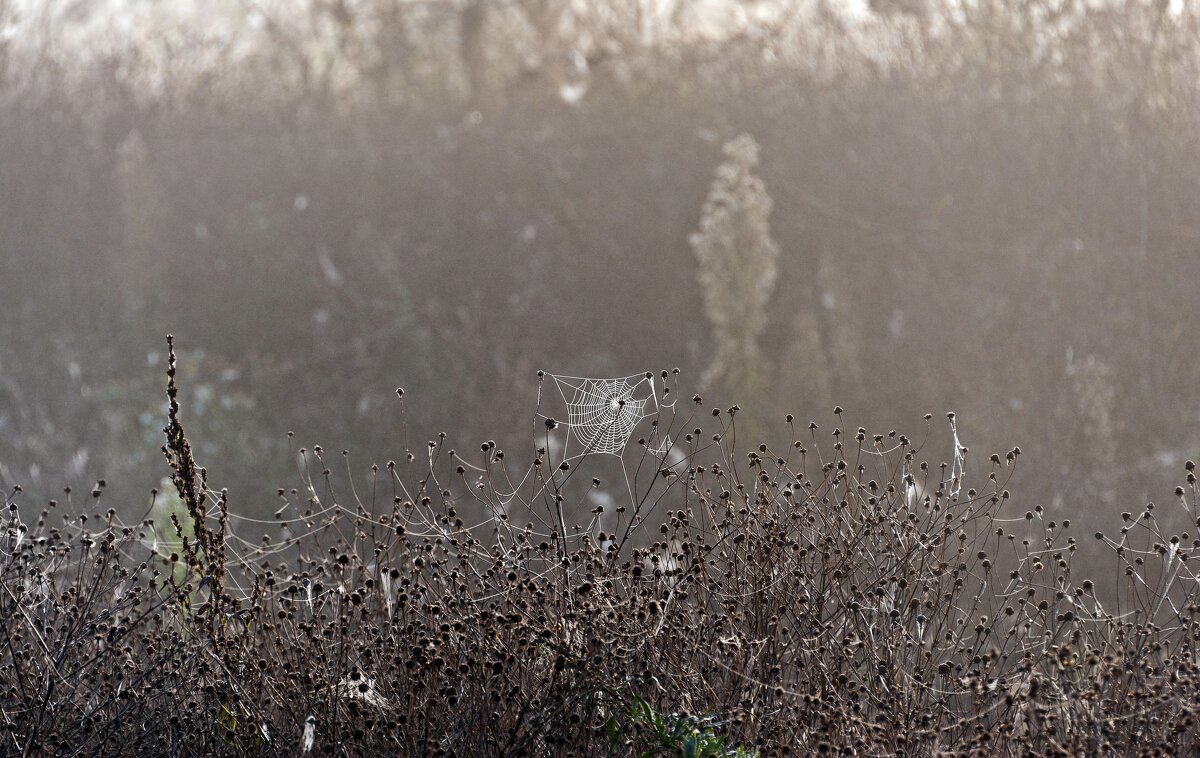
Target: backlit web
(602, 413)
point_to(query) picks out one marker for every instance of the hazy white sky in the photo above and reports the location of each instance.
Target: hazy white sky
(70, 18)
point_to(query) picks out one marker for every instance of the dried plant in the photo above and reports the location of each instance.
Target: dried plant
(737, 270)
(844, 594)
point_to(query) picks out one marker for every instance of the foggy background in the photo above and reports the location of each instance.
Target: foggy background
(986, 207)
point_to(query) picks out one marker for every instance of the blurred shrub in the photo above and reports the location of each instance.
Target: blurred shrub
(339, 202)
(737, 272)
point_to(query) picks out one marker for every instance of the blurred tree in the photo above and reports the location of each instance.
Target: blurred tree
(317, 203)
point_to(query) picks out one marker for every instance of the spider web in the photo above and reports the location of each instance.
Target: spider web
(602, 413)
(602, 416)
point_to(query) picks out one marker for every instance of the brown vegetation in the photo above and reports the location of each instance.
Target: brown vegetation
(992, 211)
(839, 594)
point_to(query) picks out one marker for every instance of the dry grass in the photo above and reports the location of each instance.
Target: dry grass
(839, 596)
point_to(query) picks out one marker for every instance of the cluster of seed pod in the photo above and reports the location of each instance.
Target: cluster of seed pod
(840, 595)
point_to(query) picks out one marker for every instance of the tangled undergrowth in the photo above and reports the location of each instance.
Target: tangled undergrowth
(842, 595)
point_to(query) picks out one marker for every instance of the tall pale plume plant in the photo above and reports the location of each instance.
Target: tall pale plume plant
(1096, 404)
(737, 272)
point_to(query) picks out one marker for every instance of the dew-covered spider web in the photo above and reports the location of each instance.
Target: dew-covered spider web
(609, 417)
(603, 413)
